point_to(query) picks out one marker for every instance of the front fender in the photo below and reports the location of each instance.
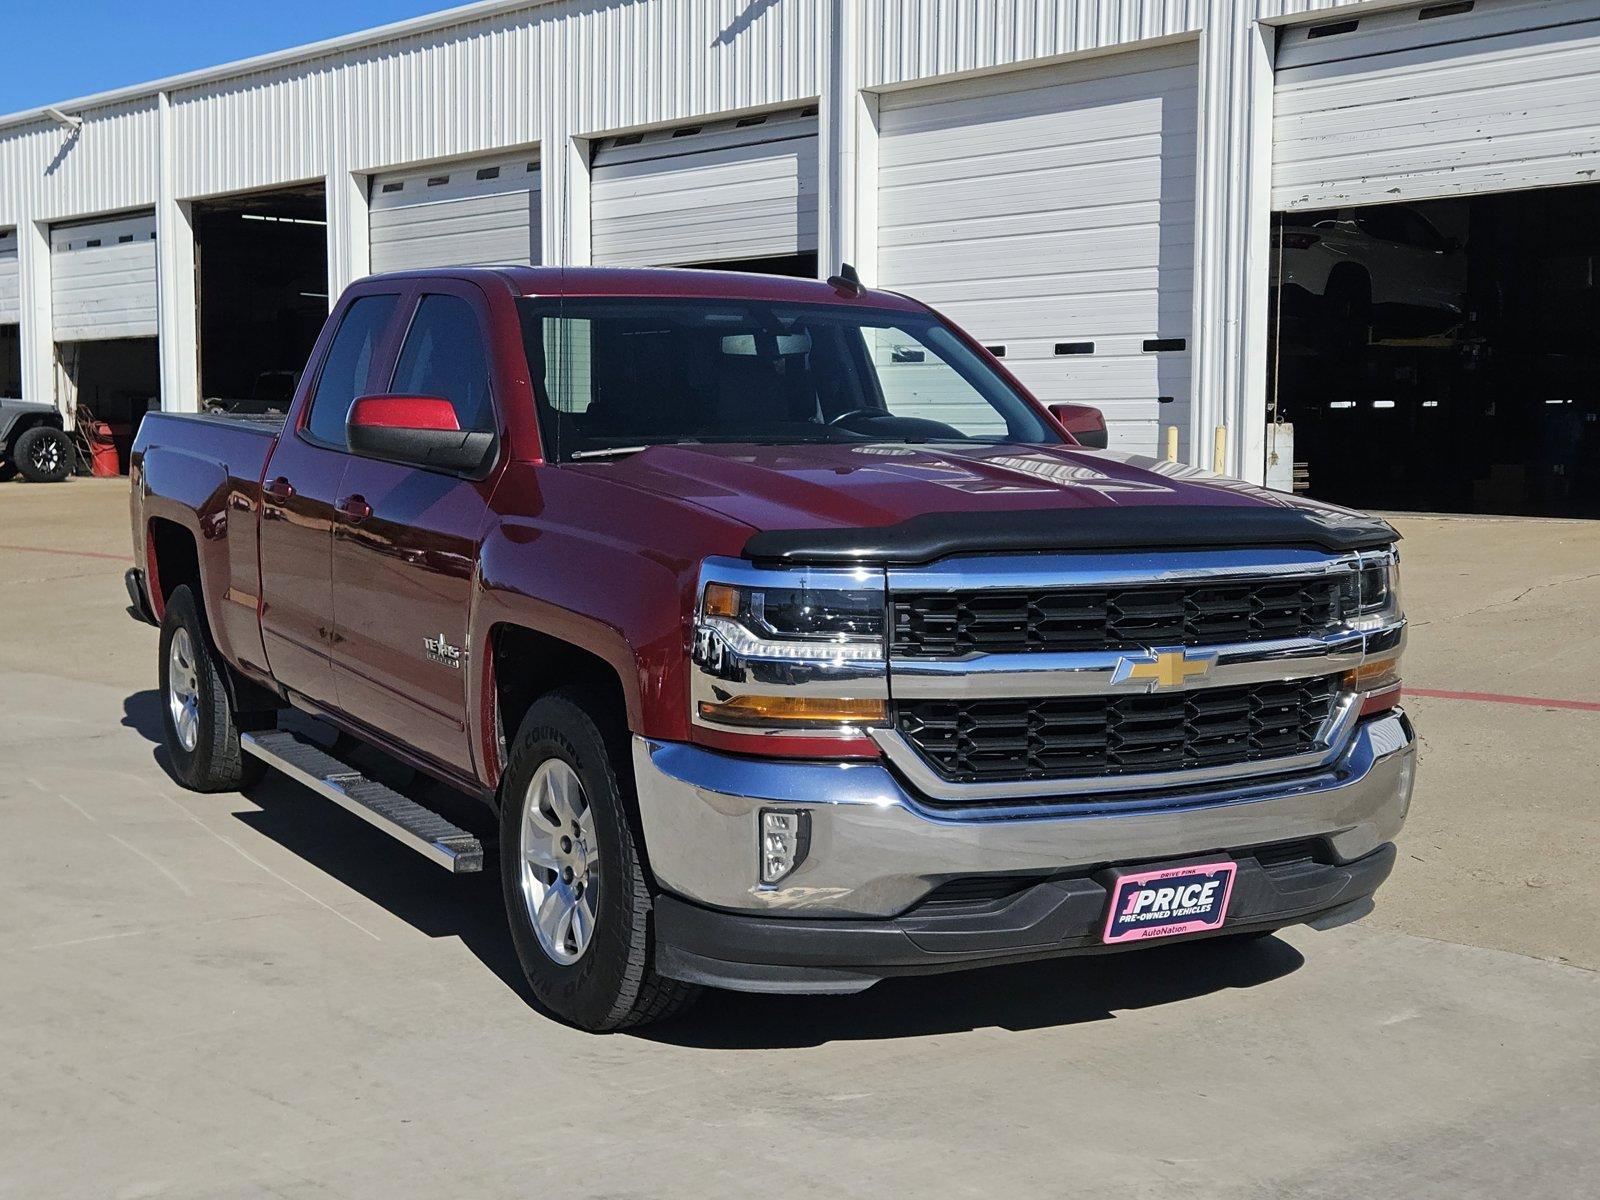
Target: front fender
(604, 568)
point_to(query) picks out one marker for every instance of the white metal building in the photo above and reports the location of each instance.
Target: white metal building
(1089, 184)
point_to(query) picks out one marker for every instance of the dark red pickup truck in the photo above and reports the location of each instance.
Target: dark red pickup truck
(790, 641)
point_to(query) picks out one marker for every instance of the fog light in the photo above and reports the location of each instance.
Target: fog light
(785, 839)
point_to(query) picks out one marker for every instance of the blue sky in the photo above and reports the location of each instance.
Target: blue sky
(56, 51)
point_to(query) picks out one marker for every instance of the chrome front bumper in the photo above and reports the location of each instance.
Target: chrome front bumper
(876, 849)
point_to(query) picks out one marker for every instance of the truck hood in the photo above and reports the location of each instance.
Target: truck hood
(851, 485)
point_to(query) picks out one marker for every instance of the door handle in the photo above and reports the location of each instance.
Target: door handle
(279, 489)
(355, 509)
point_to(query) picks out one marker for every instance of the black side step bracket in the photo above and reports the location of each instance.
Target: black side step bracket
(423, 830)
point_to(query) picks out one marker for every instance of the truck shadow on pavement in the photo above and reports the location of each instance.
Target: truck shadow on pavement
(1027, 996)
(1065, 991)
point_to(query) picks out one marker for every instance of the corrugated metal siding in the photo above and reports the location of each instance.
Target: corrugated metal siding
(641, 64)
(1506, 95)
(1055, 207)
(478, 212)
(493, 82)
(48, 172)
(269, 128)
(707, 192)
(10, 311)
(103, 279)
(907, 40)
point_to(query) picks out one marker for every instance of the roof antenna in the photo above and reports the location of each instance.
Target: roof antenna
(846, 280)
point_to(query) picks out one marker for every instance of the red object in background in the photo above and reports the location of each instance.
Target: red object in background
(104, 461)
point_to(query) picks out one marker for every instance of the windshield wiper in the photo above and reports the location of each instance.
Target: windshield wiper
(607, 452)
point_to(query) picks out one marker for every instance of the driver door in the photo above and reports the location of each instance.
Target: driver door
(405, 546)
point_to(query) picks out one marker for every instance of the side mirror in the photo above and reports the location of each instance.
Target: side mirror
(419, 430)
(1084, 422)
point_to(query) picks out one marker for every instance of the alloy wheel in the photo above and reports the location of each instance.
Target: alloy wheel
(46, 456)
(560, 862)
(183, 690)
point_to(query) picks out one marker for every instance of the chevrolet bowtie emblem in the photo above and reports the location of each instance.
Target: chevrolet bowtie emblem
(1163, 668)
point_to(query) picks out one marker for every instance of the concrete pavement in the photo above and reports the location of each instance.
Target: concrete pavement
(218, 996)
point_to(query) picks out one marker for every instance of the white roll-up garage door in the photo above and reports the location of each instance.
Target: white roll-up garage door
(1050, 211)
(10, 292)
(713, 192)
(103, 279)
(483, 212)
(1443, 100)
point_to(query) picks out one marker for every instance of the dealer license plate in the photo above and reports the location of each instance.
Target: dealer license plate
(1167, 901)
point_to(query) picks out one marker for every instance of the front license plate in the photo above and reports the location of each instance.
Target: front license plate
(1167, 901)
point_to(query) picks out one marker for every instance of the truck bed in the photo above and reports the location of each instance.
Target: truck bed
(201, 472)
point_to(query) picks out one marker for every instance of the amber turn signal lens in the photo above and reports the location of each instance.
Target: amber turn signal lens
(1379, 683)
(1377, 673)
(721, 600)
(799, 711)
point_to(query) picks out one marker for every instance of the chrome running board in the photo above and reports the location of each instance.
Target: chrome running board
(424, 830)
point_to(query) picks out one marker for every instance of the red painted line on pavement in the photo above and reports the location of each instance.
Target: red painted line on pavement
(1496, 698)
(69, 553)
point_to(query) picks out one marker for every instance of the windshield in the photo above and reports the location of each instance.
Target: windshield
(615, 375)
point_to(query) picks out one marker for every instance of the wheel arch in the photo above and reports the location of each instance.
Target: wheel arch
(525, 664)
(172, 560)
(20, 423)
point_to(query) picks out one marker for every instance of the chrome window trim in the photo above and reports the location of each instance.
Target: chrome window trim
(1333, 739)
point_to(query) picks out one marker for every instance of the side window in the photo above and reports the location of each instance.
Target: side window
(344, 374)
(444, 356)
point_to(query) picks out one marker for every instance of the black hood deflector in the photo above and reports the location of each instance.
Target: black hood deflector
(931, 536)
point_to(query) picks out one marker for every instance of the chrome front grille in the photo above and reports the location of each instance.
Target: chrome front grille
(1077, 737)
(1120, 677)
(1035, 620)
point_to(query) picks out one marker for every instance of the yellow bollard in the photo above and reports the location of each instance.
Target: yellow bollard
(1219, 451)
(1172, 443)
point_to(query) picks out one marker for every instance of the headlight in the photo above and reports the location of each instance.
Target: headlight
(789, 650)
(1369, 595)
(1369, 601)
(826, 620)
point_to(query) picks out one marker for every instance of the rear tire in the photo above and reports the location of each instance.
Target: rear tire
(576, 896)
(197, 717)
(44, 454)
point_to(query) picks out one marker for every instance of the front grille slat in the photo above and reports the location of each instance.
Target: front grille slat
(970, 741)
(1207, 613)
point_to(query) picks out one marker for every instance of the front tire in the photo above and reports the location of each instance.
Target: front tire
(576, 896)
(44, 454)
(197, 717)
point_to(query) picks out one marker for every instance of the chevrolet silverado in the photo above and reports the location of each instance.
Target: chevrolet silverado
(789, 642)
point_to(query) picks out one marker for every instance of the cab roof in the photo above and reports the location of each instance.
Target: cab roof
(670, 282)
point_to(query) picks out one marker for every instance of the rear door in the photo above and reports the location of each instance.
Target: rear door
(405, 546)
(301, 484)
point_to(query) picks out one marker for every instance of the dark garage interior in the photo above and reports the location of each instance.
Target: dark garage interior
(796, 266)
(1443, 355)
(262, 265)
(112, 382)
(10, 361)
